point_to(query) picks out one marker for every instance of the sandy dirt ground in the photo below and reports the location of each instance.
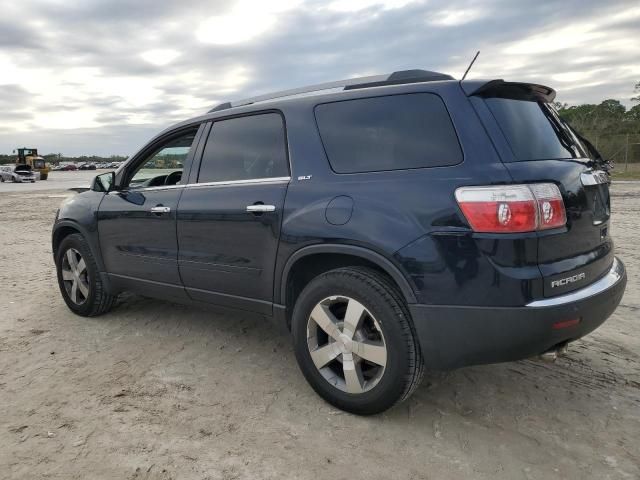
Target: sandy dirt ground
(160, 391)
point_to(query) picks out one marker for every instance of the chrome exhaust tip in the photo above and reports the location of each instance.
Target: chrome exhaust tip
(552, 355)
(549, 357)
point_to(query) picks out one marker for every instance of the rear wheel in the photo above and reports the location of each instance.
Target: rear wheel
(354, 341)
(78, 278)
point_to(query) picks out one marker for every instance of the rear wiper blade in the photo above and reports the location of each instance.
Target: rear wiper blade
(597, 157)
(560, 129)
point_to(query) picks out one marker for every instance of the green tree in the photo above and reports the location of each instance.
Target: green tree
(636, 89)
(633, 115)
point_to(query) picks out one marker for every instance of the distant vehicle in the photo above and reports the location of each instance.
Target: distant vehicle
(69, 166)
(88, 166)
(29, 156)
(17, 173)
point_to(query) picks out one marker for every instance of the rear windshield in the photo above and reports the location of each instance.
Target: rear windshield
(534, 130)
(388, 133)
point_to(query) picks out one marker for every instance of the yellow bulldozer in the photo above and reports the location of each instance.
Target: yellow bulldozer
(29, 156)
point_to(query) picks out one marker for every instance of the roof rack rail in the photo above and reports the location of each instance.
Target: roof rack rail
(396, 78)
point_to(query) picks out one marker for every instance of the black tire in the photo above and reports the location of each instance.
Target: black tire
(404, 365)
(97, 301)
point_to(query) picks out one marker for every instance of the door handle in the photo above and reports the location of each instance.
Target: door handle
(160, 209)
(260, 208)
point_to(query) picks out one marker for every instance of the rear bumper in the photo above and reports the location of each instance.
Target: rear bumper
(455, 336)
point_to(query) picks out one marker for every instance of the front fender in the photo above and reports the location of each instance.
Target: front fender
(79, 213)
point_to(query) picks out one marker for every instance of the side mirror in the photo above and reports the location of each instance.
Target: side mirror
(105, 182)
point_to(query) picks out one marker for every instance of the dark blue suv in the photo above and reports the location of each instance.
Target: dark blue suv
(392, 223)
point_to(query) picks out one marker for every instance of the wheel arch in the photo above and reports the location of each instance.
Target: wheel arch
(341, 256)
(64, 228)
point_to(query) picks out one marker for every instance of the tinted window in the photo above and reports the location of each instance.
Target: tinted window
(388, 133)
(245, 148)
(534, 130)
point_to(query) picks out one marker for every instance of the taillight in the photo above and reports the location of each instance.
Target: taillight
(512, 208)
(551, 212)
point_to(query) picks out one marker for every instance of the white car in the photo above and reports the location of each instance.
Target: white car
(17, 173)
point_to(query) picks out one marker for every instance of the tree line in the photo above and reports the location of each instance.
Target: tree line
(608, 117)
(610, 126)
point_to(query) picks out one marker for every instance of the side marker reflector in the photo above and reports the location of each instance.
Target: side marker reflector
(565, 324)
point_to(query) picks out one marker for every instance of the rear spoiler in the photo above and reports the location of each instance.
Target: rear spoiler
(514, 90)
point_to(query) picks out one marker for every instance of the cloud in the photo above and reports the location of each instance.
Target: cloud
(160, 56)
(101, 76)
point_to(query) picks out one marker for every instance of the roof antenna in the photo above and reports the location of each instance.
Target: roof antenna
(470, 65)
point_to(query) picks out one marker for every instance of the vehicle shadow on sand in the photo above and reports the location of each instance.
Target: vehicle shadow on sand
(592, 370)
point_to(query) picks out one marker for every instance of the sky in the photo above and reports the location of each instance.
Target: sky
(103, 76)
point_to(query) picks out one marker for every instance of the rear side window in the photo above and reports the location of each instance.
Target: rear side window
(388, 133)
(534, 130)
(245, 148)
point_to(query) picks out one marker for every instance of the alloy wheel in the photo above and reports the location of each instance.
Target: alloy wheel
(346, 344)
(75, 276)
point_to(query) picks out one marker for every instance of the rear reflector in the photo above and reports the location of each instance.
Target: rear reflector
(565, 324)
(512, 208)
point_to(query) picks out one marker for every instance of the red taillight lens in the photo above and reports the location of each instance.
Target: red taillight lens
(512, 208)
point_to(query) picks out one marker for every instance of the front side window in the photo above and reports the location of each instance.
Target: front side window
(165, 165)
(245, 148)
(388, 133)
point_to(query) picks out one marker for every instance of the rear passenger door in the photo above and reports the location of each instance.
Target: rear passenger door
(229, 215)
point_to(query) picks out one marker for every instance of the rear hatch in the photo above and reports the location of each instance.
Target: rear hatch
(536, 145)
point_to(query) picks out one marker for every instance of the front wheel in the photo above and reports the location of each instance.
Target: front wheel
(78, 278)
(354, 341)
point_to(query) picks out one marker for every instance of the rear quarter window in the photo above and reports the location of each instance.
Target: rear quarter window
(388, 133)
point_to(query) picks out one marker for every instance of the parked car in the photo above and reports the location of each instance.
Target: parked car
(87, 166)
(69, 167)
(17, 173)
(397, 223)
